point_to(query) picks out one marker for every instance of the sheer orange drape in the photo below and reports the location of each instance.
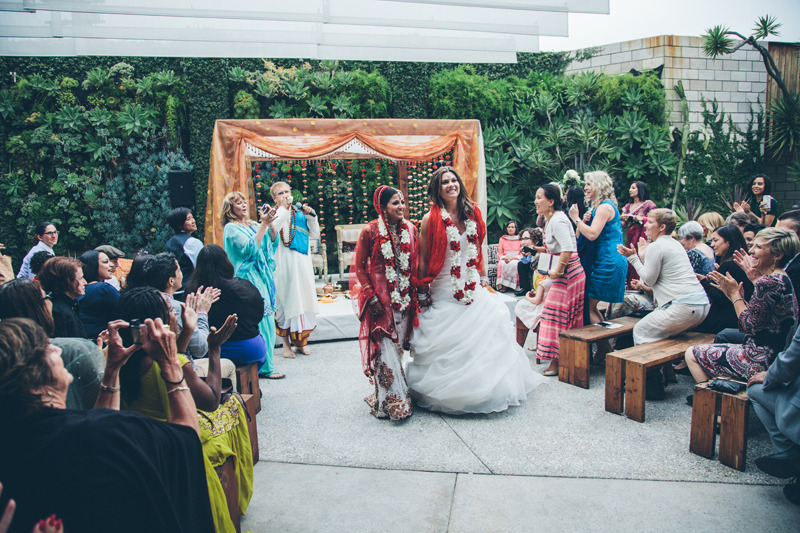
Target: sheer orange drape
(230, 170)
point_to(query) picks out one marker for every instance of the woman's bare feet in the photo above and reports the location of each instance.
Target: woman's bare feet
(288, 353)
(304, 350)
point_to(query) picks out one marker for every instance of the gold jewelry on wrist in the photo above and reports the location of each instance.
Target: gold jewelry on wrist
(563, 263)
(108, 388)
(177, 389)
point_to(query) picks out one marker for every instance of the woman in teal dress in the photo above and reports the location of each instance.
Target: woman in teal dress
(250, 249)
(602, 225)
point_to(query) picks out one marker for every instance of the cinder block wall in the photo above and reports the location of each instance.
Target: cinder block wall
(738, 82)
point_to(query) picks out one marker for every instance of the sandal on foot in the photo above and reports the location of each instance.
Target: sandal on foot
(274, 375)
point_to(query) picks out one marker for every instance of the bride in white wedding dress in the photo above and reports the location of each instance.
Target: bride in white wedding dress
(465, 357)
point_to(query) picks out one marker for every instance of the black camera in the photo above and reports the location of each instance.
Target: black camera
(136, 335)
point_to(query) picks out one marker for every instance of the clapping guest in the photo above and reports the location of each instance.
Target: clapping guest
(701, 256)
(765, 319)
(46, 237)
(633, 216)
(508, 255)
(725, 241)
(100, 299)
(62, 279)
(664, 266)
(750, 232)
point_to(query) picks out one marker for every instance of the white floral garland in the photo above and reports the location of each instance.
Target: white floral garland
(399, 290)
(462, 292)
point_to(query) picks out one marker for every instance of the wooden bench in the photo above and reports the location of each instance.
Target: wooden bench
(252, 428)
(247, 382)
(575, 349)
(626, 370)
(226, 472)
(733, 409)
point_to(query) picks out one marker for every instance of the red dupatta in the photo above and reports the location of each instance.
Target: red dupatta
(436, 244)
(368, 279)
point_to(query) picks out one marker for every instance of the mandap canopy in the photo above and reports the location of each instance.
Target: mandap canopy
(237, 143)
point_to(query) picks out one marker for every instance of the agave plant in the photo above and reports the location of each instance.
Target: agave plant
(728, 198)
(317, 105)
(503, 204)
(499, 166)
(71, 118)
(342, 104)
(491, 139)
(691, 211)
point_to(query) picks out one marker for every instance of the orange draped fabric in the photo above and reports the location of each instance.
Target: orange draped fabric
(230, 169)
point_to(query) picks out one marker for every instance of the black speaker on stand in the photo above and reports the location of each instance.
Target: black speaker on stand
(181, 188)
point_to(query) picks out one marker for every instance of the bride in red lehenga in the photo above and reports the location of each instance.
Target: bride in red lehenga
(382, 287)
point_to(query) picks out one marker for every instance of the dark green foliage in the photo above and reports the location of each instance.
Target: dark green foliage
(720, 157)
(461, 93)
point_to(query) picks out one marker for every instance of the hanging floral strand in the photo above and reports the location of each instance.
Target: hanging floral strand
(350, 191)
(334, 195)
(364, 192)
(305, 181)
(320, 199)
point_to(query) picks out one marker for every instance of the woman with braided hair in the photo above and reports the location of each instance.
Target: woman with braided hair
(465, 357)
(384, 297)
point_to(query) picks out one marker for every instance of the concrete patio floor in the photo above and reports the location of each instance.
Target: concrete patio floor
(558, 462)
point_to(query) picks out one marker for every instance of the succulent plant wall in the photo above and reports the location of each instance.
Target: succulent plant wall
(68, 141)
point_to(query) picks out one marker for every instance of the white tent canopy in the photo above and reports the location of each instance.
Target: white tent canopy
(407, 30)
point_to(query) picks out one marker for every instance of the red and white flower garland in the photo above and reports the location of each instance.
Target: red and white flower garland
(399, 287)
(462, 292)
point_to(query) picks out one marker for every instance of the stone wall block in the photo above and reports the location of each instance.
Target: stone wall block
(713, 85)
(698, 63)
(730, 64)
(730, 85)
(645, 53)
(706, 75)
(599, 61)
(611, 48)
(738, 76)
(621, 57)
(721, 75)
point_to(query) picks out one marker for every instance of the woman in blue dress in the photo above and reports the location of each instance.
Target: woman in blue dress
(249, 248)
(602, 225)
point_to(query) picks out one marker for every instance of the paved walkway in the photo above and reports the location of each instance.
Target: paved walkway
(559, 462)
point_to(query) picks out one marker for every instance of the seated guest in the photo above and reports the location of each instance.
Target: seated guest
(765, 319)
(530, 239)
(62, 279)
(147, 385)
(710, 221)
(740, 219)
(182, 245)
(97, 470)
(750, 232)
(114, 255)
(701, 256)
(529, 309)
(46, 237)
(39, 259)
(680, 299)
(760, 186)
(99, 299)
(214, 269)
(775, 394)
(23, 298)
(161, 272)
(508, 256)
(725, 241)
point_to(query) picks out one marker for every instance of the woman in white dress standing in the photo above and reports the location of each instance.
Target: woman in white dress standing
(465, 357)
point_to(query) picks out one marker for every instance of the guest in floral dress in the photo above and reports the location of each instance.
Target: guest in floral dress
(765, 320)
